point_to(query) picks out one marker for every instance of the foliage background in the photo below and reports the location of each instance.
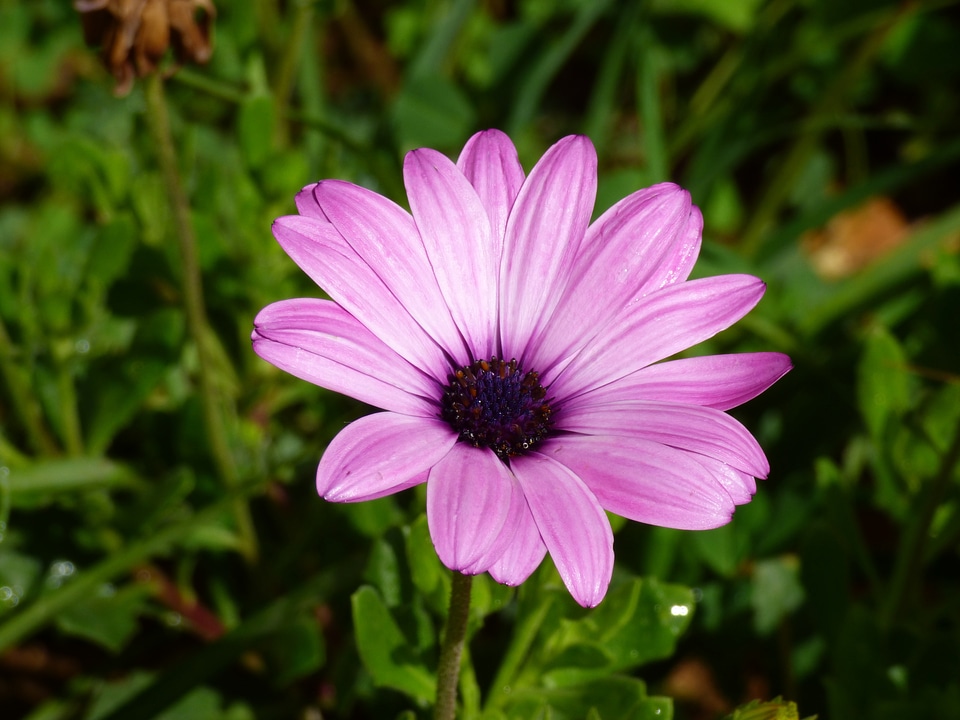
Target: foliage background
(145, 571)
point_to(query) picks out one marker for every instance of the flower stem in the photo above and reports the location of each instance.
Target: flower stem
(454, 638)
(197, 325)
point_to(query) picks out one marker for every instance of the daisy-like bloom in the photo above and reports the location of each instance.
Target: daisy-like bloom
(516, 351)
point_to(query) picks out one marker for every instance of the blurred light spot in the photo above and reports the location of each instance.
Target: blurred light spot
(82, 346)
(679, 610)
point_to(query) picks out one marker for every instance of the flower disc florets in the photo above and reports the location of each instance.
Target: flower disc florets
(493, 403)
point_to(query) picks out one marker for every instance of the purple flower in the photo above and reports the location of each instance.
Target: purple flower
(515, 350)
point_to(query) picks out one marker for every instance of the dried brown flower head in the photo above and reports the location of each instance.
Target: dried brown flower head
(135, 34)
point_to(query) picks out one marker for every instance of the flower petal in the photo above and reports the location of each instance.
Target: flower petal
(473, 504)
(385, 237)
(741, 486)
(523, 555)
(717, 381)
(645, 481)
(456, 234)
(663, 323)
(307, 204)
(381, 454)
(572, 524)
(543, 235)
(677, 265)
(320, 342)
(322, 253)
(489, 161)
(698, 429)
(630, 249)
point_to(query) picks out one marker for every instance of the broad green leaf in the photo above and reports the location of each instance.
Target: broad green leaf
(426, 570)
(112, 249)
(640, 620)
(883, 384)
(776, 591)
(386, 569)
(109, 618)
(721, 549)
(296, 649)
(613, 698)
(117, 403)
(385, 651)
(202, 703)
(256, 127)
(372, 518)
(18, 576)
(431, 111)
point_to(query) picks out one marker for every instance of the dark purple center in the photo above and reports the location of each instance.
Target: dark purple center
(494, 404)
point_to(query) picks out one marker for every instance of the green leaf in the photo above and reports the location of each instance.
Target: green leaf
(117, 402)
(613, 698)
(296, 649)
(883, 384)
(385, 651)
(112, 249)
(775, 709)
(639, 621)
(721, 549)
(431, 111)
(776, 591)
(372, 518)
(736, 15)
(256, 129)
(426, 571)
(109, 618)
(18, 576)
(42, 482)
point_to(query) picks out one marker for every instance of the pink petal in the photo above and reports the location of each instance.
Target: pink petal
(381, 454)
(307, 203)
(543, 235)
(489, 161)
(385, 237)
(740, 486)
(678, 264)
(320, 342)
(455, 230)
(473, 505)
(323, 254)
(632, 248)
(698, 429)
(645, 481)
(663, 323)
(572, 524)
(717, 381)
(523, 555)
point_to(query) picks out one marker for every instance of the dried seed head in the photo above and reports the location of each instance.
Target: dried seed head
(134, 35)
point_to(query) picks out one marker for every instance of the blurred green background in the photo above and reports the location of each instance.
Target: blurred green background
(162, 549)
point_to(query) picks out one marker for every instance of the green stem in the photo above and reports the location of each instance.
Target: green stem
(69, 413)
(26, 408)
(910, 558)
(448, 671)
(289, 60)
(197, 325)
(517, 653)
